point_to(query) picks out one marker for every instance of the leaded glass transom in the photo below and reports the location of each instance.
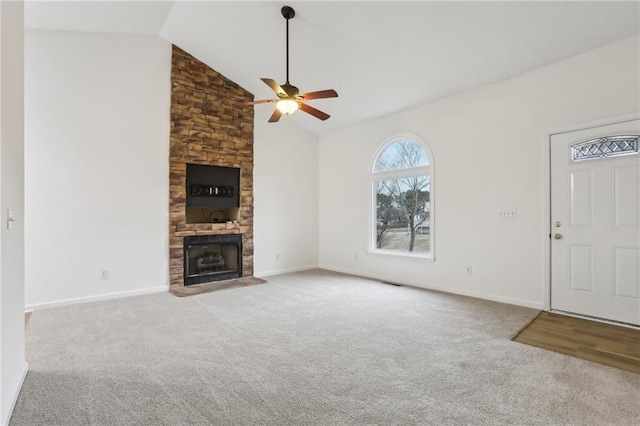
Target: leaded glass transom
(605, 147)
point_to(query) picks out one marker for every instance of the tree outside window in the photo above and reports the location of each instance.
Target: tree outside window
(403, 203)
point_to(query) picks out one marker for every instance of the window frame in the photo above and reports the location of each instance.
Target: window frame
(374, 177)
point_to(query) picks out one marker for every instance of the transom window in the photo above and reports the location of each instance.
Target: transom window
(402, 187)
(611, 146)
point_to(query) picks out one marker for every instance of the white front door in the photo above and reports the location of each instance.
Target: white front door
(595, 222)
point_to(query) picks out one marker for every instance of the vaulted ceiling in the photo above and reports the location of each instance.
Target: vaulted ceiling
(381, 57)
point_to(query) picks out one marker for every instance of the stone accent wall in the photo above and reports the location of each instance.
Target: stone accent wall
(209, 125)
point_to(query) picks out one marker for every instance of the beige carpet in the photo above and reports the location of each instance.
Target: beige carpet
(312, 348)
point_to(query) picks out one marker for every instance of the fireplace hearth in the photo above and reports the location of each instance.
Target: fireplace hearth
(209, 258)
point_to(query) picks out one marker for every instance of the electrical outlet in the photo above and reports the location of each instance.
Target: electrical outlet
(104, 275)
(355, 256)
(469, 270)
(507, 214)
(277, 256)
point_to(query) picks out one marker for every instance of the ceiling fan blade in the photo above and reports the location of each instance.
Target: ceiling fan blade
(274, 86)
(320, 94)
(315, 112)
(275, 116)
(261, 101)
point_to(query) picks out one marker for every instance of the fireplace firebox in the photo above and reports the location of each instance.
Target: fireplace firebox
(210, 258)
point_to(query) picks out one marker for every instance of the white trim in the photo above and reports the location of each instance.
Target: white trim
(401, 173)
(422, 285)
(546, 188)
(285, 271)
(595, 123)
(14, 399)
(596, 319)
(87, 299)
(408, 254)
(546, 236)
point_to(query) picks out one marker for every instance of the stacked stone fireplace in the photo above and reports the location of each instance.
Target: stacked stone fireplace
(209, 128)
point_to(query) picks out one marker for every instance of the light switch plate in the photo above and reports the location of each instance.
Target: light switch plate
(11, 220)
(507, 214)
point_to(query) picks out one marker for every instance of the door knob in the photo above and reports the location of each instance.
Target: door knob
(557, 224)
(557, 236)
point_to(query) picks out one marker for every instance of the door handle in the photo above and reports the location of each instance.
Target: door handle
(557, 236)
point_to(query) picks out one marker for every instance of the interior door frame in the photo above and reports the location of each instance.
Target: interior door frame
(546, 148)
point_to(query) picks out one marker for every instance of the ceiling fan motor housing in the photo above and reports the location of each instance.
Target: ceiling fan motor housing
(288, 12)
(290, 90)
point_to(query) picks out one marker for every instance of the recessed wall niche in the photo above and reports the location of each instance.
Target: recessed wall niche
(213, 194)
(211, 215)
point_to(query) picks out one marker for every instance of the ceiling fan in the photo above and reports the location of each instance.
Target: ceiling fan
(289, 97)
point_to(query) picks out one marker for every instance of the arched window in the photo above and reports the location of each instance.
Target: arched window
(402, 187)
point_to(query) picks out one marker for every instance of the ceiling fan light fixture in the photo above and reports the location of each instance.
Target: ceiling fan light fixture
(289, 97)
(287, 106)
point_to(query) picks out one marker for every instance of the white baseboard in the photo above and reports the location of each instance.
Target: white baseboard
(285, 271)
(476, 294)
(100, 297)
(14, 399)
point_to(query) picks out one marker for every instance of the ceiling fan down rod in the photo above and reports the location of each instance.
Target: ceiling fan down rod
(288, 13)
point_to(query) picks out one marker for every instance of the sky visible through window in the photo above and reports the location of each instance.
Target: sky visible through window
(402, 154)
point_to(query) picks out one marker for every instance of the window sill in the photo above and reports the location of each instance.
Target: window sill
(428, 257)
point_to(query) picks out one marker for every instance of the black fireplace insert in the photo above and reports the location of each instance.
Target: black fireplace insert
(210, 258)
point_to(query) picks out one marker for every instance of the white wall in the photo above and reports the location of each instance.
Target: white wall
(490, 153)
(97, 165)
(97, 114)
(286, 195)
(13, 367)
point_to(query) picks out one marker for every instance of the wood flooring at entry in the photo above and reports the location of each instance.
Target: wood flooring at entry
(608, 344)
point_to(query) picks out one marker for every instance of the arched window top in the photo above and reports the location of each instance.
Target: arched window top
(400, 154)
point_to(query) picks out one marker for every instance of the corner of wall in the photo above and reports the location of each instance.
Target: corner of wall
(14, 398)
(13, 366)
